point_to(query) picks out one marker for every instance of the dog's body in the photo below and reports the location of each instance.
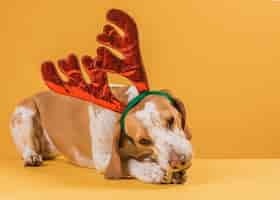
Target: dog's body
(48, 123)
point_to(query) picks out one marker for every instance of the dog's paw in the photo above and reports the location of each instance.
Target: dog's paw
(32, 159)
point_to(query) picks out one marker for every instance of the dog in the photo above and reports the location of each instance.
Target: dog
(121, 131)
(48, 124)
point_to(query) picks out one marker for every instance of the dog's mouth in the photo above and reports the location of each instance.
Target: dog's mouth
(176, 175)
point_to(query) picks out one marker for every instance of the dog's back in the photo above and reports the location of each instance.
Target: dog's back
(48, 123)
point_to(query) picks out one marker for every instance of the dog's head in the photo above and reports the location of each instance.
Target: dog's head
(158, 133)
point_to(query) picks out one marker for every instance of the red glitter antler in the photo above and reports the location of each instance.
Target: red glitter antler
(131, 66)
(98, 91)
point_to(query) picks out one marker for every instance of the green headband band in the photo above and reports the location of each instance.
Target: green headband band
(134, 102)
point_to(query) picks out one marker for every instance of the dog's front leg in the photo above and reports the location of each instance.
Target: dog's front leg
(148, 172)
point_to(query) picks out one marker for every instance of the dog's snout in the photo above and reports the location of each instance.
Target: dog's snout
(178, 160)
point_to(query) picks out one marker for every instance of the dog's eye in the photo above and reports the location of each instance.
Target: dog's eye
(145, 141)
(170, 122)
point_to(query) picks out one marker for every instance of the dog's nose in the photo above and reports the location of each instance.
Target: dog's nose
(177, 160)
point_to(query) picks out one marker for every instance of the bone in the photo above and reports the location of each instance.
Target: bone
(178, 177)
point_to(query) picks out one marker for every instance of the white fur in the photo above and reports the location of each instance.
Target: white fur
(22, 128)
(165, 140)
(24, 112)
(132, 92)
(147, 172)
(149, 116)
(31, 157)
(27, 153)
(102, 123)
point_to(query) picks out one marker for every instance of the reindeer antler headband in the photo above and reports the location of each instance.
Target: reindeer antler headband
(98, 91)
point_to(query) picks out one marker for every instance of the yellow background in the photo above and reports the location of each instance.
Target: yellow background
(221, 57)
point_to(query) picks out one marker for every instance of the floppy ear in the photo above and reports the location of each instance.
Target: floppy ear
(114, 169)
(179, 105)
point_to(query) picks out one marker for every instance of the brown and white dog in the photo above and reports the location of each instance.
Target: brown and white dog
(158, 151)
(48, 124)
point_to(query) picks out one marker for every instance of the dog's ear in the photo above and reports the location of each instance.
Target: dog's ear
(115, 169)
(130, 148)
(179, 105)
